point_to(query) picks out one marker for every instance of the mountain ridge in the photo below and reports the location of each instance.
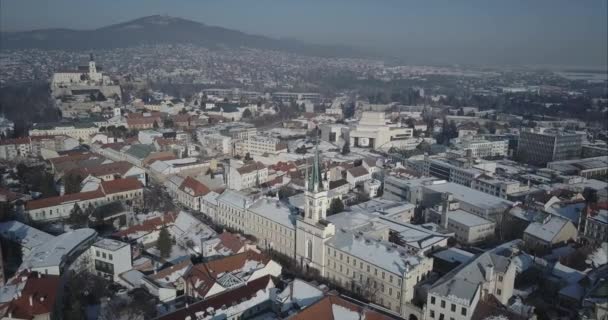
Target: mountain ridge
(160, 29)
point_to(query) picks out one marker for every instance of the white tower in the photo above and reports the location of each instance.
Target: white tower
(93, 75)
(312, 230)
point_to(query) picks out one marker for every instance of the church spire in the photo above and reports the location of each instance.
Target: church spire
(314, 180)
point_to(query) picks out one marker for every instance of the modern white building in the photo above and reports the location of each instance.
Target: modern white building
(485, 148)
(110, 258)
(375, 132)
(371, 187)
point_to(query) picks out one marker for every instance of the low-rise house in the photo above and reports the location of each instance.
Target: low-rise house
(356, 176)
(190, 193)
(546, 234)
(210, 278)
(167, 283)
(111, 171)
(226, 244)
(146, 232)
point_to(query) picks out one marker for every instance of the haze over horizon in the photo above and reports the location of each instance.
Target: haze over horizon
(559, 32)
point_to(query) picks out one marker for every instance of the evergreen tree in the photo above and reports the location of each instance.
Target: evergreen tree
(164, 243)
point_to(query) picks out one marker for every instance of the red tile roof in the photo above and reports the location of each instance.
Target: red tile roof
(251, 168)
(201, 277)
(73, 157)
(24, 140)
(323, 310)
(106, 187)
(196, 186)
(148, 225)
(118, 168)
(358, 171)
(234, 262)
(120, 185)
(230, 241)
(55, 201)
(42, 289)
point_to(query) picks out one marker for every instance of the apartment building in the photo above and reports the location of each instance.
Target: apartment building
(486, 148)
(259, 145)
(541, 146)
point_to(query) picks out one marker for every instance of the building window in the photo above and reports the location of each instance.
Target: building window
(453, 308)
(97, 253)
(432, 314)
(463, 311)
(499, 278)
(309, 250)
(443, 303)
(499, 292)
(432, 300)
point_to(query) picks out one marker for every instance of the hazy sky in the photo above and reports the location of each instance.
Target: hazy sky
(559, 32)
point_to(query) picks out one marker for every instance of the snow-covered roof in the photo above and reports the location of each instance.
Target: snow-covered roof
(467, 195)
(188, 231)
(467, 219)
(463, 283)
(546, 231)
(54, 252)
(26, 236)
(274, 210)
(454, 255)
(109, 244)
(379, 253)
(234, 198)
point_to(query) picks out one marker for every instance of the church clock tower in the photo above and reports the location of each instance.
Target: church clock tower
(312, 230)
